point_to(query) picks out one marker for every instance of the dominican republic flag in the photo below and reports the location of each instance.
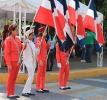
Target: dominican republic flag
(91, 22)
(63, 16)
(76, 19)
(44, 14)
(59, 30)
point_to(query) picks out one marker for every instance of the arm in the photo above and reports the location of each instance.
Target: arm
(58, 53)
(7, 52)
(38, 45)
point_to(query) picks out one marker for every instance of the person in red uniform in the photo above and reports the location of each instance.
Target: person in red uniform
(41, 60)
(12, 51)
(64, 67)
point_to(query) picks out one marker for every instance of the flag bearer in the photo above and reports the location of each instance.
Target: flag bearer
(64, 67)
(41, 60)
(12, 51)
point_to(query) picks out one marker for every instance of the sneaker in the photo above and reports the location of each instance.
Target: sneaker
(83, 61)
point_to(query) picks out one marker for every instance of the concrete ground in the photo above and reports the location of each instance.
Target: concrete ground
(93, 88)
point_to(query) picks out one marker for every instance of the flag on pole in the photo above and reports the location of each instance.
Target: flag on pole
(63, 15)
(76, 19)
(44, 14)
(72, 12)
(91, 22)
(59, 31)
(49, 14)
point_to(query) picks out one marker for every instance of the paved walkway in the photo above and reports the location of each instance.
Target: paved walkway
(81, 89)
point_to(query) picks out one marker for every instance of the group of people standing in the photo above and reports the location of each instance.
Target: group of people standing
(33, 54)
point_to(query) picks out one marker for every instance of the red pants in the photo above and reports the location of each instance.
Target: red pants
(63, 74)
(40, 77)
(12, 75)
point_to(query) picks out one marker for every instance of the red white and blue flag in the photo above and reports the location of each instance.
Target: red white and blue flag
(76, 19)
(54, 13)
(59, 30)
(63, 15)
(91, 23)
(44, 14)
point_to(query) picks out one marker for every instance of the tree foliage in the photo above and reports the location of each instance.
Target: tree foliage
(101, 6)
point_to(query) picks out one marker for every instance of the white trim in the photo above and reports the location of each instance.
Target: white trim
(46, 4)
(72, 4)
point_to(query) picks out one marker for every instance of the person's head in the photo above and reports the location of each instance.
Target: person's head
(41, 31)
(30, 34)
(13, 30)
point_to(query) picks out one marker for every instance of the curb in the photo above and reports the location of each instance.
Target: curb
(53, 76)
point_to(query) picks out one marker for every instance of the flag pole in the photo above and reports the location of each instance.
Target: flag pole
(72, 48)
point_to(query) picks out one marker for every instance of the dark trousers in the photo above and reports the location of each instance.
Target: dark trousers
(50, 60)
(89, 50)
(83, 53)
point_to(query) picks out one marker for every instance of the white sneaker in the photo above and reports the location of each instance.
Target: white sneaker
(83, 61)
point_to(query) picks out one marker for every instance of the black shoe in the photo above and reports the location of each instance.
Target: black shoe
(17, 96)
(25, 94)
(62, 88)
(40, 91)
(30, 93)
(45, 90)
(13, 96)
(68, 87)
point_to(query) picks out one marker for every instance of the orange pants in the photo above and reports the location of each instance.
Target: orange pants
(63, 74)
(12, 75)
(40, 77)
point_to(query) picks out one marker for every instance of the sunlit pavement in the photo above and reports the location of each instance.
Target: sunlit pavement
(81, 89)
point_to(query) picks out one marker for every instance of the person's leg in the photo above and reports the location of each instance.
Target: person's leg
(52, 60)
(27, 87)
(12, 74)
(90, 52)
(39, 76)
(87, 53)
(83, 54)
(67, 69)
(61, 73)
(16, 73)
(43, 74)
